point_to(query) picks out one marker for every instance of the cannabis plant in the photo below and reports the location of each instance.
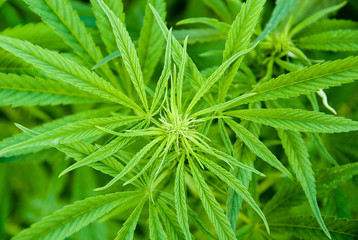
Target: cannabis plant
(237, 149)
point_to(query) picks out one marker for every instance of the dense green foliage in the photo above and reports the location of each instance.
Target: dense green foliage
(118, 121)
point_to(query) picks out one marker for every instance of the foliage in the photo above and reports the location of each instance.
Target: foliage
(131, 129)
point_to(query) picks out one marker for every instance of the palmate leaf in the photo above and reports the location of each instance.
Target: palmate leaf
(306, 80)
(306, 227)
(220, 8)
(180, 199)
(25, 90)
(256, 146)
(282, 9)
(170, 221)
(72, 132)
(199, 35)
(327, 25)
(127, 231)
(191, 70)
(150, 42)
(235, 184)
(103, 23)
(128, 52)
(297, 120)
(298, 158)
(12, 64)
(238, 40)
(212, 22)
(245, 155)
(291, 195)
(339, 40)
(315, 17)
(36, 33)
(133, 162)
(67, 24)
(65, 70)
(22, 137)
(193, 217)
(210, 81)
(211, 206)
(71, 218)
(156, 231)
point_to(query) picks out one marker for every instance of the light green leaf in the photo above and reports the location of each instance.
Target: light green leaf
(129, 54)
(72, 132)
(72, 218)
(156, 231)
(306, 227)
(298, 158)
(150, 42)
(256, 146)
(238, 40)
(212, 22)
(180, 199)
(133, 162)
(282, 9)
(297, 120)
(107, 59)
(236, 185)
(65, 21)
(305, 80)
(211, 206)
(312, 19)
(208, 83)
(338, 40)
(103, 23)
(24, 90)
(127, 230)
(65, 70)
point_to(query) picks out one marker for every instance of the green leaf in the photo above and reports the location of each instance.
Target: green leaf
(72, 218)
(245, 155)
(133, 162)
(36, 33)
(127, 231)
(297, 120)
(150, 42)
(214, 77)
(306, 80)
(199, 35)
(238, 40)
(298, 158)
(103, 23)
(22, 137)
(170, 221)
(220, 8)
(129, 54)
(180, 199)
(282, 9)
(65, 70)
(156, 231)
(211, 206)
(25, 90)
(256, 146)
(310, 20)
(65, 21)
(163, 79)
(72, 132)
(327, 25)
(306, 227)
(212, 22)
(338, 40)
(235, 184)
(107, 59)
(191, 71)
